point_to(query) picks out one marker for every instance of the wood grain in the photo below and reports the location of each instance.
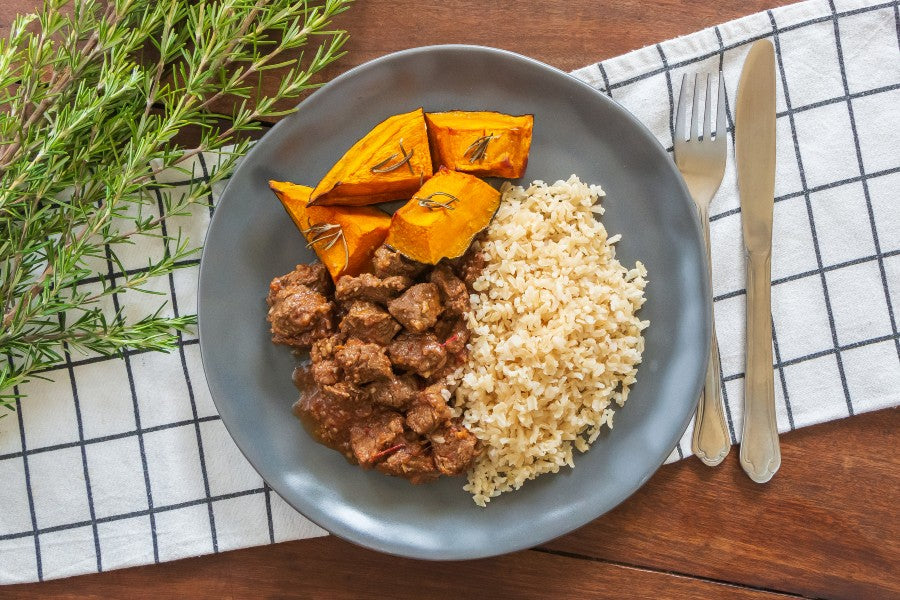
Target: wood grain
(333, 569)
(825, 526)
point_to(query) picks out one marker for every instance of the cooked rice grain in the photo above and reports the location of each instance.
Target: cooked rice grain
(555, 340)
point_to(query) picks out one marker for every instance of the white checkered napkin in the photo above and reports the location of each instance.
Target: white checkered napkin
(121, 462)
(836, 246)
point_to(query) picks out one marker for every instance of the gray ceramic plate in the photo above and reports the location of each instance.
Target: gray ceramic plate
(251, 240)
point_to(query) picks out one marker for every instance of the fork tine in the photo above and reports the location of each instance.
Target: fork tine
(721, 125)
(707, 114)
(680, 126)
(695, 112)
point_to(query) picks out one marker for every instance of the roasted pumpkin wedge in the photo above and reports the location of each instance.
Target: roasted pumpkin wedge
(344, 238)
(442, 217)
(389, 163)
(489, 144)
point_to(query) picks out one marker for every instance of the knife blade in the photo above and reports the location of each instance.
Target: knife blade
(760, 455)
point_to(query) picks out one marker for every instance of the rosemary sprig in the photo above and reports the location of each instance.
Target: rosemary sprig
(478, 148)
(328, 234)
(430, 203)
(384, 167)
(93, 95)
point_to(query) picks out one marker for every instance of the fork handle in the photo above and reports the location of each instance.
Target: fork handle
(710, 441)
(760, 452)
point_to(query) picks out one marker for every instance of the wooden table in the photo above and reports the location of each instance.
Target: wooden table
(826, 526)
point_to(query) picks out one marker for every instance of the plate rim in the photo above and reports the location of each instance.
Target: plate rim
(443, 554)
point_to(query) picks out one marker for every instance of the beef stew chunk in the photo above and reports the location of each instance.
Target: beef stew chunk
(454, 333)
(454, 448)
(428, 411)
(470, 266)
(454, 295)
(382, 347)
(370, 323)
(325, 372)
(347, 392)
(420, 353)
(418, 308)
(362, 362)
(375, 437)
(328, 417)
(396, 392)
(371, 288)
(314, 276)
(299, 316)
(324, 348)
(414, 461)
(388, 261)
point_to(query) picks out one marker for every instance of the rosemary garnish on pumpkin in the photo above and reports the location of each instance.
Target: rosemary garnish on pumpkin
(385, 167)
(328, 234)
(478, 148)
(430, 203)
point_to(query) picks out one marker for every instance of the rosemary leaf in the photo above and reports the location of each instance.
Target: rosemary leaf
(93, 97)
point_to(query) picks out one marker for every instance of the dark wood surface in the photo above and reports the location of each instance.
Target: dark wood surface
(825, 526)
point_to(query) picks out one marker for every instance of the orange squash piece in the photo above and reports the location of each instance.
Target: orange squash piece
(344, 238)
(489, 144)
(443, 217)
(389, 163)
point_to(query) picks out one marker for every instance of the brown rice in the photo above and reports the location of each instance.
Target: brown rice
(555, 340)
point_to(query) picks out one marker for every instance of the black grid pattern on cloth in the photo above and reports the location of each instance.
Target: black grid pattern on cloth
(862, 170)
(779, 62)
(67, 371)
(864, 177)
(187, 375)
(137, 421)
(29, 451)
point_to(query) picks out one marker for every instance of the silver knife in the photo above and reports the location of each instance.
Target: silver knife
(755, 153)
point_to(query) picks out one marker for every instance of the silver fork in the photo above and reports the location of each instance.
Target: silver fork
(701, 159)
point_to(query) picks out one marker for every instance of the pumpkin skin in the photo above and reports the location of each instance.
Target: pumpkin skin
(375, 169)
(364, 228)
(488, 144)
(432, 232)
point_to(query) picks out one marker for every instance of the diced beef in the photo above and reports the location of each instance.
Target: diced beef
(443, 375)
(420, 353)
(396, 392)
(371, 288)
(454, 334)
(369, 322)
(324, 348)
(470, 266)
(362, 362)
(314, 276)
(325, 372)
(376, 437)
(454, 295)
(346, 392)
(428, 411)
(418, 308)
(388, 261)
(412, 461)
(299, 316)
(385, 350)
(329, 417)
(454, 448)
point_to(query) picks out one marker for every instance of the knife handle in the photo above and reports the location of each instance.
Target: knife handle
(760, 453)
